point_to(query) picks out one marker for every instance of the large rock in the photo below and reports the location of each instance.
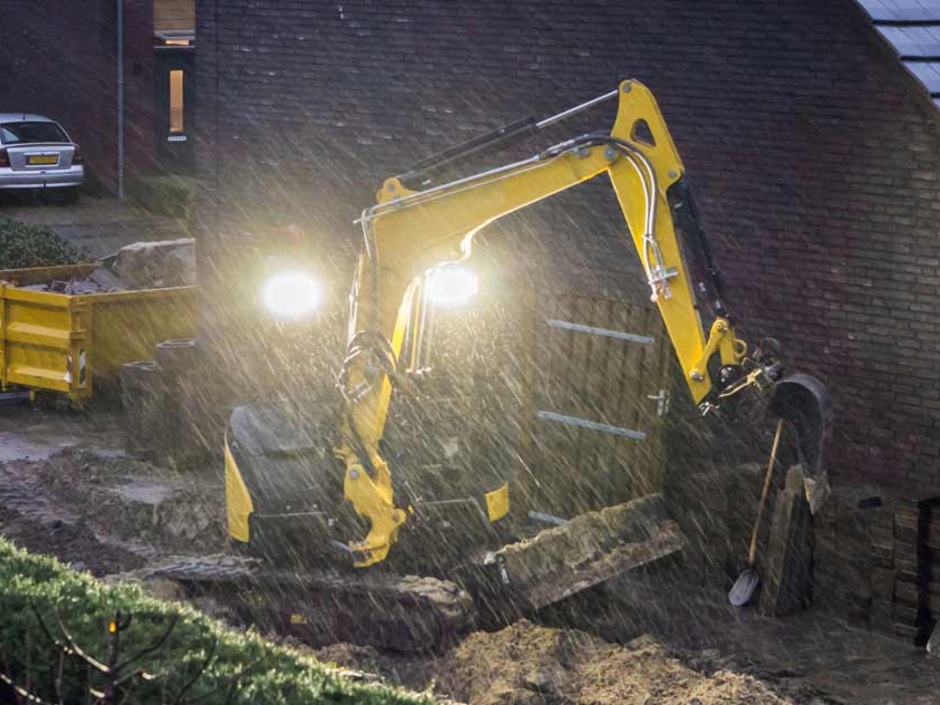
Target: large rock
(157, 265)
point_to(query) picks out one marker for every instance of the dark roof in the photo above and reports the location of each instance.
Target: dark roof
(912, 28)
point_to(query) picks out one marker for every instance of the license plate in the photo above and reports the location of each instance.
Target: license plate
(42, 159)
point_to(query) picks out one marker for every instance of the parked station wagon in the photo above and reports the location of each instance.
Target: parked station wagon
(36, 153)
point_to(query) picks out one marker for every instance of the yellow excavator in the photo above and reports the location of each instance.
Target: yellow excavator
(308, 488)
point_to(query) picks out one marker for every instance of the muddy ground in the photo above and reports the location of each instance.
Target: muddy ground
(68, 488)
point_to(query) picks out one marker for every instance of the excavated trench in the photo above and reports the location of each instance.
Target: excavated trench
(66, 488)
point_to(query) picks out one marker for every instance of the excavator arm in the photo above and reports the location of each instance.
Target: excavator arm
(411, 231)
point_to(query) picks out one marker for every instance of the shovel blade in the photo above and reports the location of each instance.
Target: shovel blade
(744, 588)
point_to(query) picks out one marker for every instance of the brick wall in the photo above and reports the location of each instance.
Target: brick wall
(58, 58)
(815, 159)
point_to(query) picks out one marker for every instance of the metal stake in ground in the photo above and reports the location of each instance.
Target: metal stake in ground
(744, 587)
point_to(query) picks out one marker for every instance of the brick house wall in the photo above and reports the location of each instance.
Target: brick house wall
(814, 156)
(58, 58)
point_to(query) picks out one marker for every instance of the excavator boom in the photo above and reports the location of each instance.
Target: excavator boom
(409, 232)
(286, 499)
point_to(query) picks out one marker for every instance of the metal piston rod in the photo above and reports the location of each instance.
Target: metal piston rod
(603, 332)
(591, 425)
(419, 174)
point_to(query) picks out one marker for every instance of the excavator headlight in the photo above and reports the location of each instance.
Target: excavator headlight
(291, 295)
(452, 285)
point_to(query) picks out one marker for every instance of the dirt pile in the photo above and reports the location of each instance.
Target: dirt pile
(132, 499)
(107, 513)
(526, 664)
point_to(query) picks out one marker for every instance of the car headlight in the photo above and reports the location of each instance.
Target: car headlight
(291, 295)
(452, 285)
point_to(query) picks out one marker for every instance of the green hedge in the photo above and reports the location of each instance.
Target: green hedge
(174, 196)
(24, 245)
(32, 585)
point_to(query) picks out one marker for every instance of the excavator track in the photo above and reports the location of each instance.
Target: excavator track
(401, 613)
(413, 614)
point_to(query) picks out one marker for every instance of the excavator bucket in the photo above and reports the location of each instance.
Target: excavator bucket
(803, 401)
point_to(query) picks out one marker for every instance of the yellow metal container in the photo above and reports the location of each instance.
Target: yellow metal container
(62, 343)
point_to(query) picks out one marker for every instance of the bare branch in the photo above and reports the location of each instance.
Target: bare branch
(69, 646)
(152, 647)
(138, 673)
(231, 689)
(59, 676)
(231, 685)
(130, 692)
(42, 626)
(201, 670)
(123, 625)
(22, 692)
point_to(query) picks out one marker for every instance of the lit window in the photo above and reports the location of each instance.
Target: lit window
(177, 42)
(176, 101)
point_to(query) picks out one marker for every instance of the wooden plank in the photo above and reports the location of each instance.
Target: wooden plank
(660, 358)
(599, 379)
(616, 366)
(553, 438)
(788, 578)
(527, 315)
(586, 480)
(598, 455)
(628, 457)
(586, 551)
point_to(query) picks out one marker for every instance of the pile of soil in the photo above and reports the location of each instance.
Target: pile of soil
(107, 513)
(526, 664)
(70, 540)
(135, 500)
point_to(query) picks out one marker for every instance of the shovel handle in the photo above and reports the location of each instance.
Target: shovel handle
(752, 551)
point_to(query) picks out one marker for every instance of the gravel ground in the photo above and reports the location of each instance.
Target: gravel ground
(67, 489)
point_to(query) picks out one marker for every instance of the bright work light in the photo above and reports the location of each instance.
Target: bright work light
(452, 285)
(291, 295)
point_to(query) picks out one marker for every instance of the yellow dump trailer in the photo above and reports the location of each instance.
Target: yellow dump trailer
(62, 342)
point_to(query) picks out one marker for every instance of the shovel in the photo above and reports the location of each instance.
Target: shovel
(743, 589)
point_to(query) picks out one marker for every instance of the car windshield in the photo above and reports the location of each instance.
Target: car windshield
(31, 133)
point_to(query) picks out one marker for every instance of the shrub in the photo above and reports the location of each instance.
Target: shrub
(25, 245)
(165, 195)
(227, 665)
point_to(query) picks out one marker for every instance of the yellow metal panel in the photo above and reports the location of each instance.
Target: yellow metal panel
(128, 324)
(497, 503)
(238, 504)
(4, 304)
(45, 336)
(372, 497)
(60, 342)
(40, 377)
